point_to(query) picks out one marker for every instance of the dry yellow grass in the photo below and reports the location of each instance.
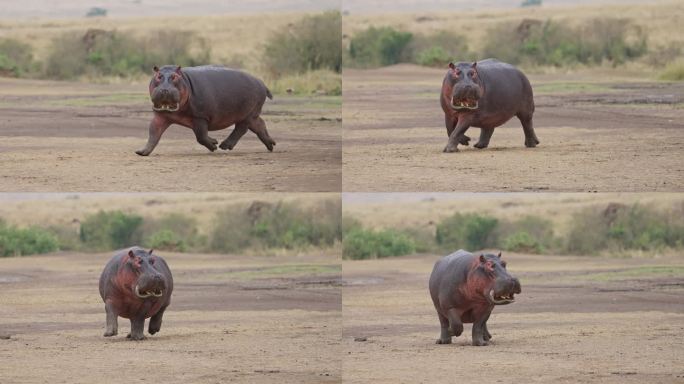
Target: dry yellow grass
(65, 208)
(662, 21)
(557, 207)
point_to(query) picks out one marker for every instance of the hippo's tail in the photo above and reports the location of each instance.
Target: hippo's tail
(268, 94)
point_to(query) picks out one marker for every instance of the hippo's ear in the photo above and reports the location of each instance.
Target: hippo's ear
(152, 249)
(451, 65)
(474, 64)
(499, 255)
(131, 254)
(178, 70)
(482, 259)
(155, 69)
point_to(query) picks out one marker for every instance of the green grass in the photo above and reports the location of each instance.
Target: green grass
(673, 72)
(280, 271)
(645, 272)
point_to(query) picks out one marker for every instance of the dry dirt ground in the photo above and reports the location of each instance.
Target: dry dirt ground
(63, 136)
(232, 319)
(596, 133)
(578, 320)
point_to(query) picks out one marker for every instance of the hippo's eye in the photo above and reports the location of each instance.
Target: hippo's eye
(503, 264)
(151, 260)
(471, 73)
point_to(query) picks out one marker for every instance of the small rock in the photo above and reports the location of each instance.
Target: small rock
(360, 338)
(5, 336)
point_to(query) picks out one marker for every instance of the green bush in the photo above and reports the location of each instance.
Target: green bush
(282, 225)
(625, 227)
(381, 46)
(359, 244)
(439, 48)
(522, 242)
(311, 44)
(167, 240)
(16, 58)
(468, 231)
(111, 230)
(121, 54)
(673, 72)
(558, 44)
(26, 241)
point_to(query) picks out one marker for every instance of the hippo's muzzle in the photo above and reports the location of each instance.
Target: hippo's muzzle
(507, 296)
(157, 293)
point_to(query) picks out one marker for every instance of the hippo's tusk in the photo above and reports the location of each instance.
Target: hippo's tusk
(140, 295)
(462, 105)
(158, 293)
(490, 298)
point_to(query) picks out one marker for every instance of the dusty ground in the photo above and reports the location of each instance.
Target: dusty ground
(62, 136)
(232, 319)
(596, 134)
(578, 320)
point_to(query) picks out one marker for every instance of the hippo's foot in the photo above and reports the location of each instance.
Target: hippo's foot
(443, 341)
(225, 145)
(487, 336)
(143, 152)
(450, 148)
(153, 328)
(135, 337)
(463, 139)
(479, 343)
(270, 144)
(211, 144)
(456, 330)
(481, 145)
(531, 142)
(110, 333)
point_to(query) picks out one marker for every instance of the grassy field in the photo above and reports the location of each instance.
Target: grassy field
(661, 21)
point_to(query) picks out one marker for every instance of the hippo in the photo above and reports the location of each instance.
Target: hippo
(135, 285)
(485, 94)
(465, 288)
(207, 98)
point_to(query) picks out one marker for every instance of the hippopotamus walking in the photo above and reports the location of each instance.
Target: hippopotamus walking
(207, 98)
(465, 288)
(136, 285)
(485, 94)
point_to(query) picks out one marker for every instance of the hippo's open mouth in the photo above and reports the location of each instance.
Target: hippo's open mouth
(499, 299)
(146, 294)
(458, 104)
(166, 107)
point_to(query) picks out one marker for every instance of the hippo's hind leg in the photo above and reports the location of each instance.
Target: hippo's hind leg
(531, 140)
(485, 135)
(137, 329)
(156, 321)
(201, 129)
(444, 336)
(112, 320)
(258, 126)
(232, 139)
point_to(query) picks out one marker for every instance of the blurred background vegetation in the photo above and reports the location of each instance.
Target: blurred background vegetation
(603, 229)
(299, 54)
(635, 36)
(264, 227)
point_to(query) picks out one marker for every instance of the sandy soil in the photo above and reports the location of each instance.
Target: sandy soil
(578, 320)
(596, 134)
(61, 136)
(232, 318)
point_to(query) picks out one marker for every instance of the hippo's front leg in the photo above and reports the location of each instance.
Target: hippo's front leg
(201, 129)
(137, 329)
(480, 331)
(157, 127)
(458, 136)
(112, 320)
(156, 321)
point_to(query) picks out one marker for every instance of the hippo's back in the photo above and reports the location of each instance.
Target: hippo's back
(448, 272)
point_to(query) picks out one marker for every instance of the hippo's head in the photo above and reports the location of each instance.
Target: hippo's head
(466, 87)
(168, 89)
(148, 281)
(501, 285)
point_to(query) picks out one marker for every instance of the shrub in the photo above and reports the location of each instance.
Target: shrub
(522, 242)
(379, 46)
(361, 243)
(558, 44)
(468, 231)
(167, 240)
(282, 225)
(26, 241)
(311, 44)
(16, 58)
(673, 72)
(439, 48)
(112, 53)
(111, 230)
